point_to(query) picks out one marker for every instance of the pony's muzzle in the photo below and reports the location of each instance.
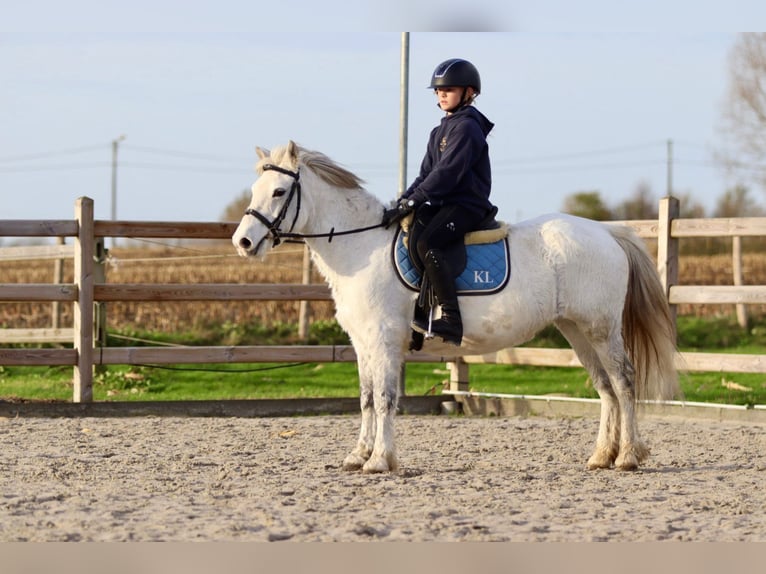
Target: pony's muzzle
(245, 244)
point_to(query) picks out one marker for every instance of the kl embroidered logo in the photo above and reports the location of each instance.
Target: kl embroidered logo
(451, 226)
(481, 277)
(443, 144)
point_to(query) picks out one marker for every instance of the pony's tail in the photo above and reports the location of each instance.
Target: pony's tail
(647, 325)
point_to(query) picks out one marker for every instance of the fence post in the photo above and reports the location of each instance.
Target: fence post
(84, 250)
(99, 276)
(58, 278)
(667, 247)
(304, 311)
(458, 378)
(736, 261)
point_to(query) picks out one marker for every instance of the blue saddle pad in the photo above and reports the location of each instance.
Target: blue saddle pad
(487, 269)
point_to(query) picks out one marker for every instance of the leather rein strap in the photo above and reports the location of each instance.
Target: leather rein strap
(273, 226)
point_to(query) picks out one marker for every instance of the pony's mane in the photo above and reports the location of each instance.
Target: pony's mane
(327, 170)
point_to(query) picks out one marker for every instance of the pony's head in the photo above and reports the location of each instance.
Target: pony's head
(275, 211)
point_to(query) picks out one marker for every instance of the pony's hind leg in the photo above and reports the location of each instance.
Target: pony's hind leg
(632, 450)
(608, 440)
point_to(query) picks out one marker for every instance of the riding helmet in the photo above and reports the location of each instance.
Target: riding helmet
(456, 72)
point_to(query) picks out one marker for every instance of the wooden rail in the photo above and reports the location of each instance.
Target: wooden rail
(211, 292)
(86, 291)
(38, 292)
(36, 252)
(717, 294)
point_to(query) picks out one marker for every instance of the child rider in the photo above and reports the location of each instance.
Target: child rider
(450, 196)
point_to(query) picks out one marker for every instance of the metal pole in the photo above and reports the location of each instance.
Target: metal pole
(304, 310)
(670, 168)
(403, 111)
(115, 145)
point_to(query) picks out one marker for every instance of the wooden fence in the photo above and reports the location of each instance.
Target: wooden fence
(55, 333)
(87, 291)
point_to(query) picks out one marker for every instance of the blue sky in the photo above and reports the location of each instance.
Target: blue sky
(194, 89)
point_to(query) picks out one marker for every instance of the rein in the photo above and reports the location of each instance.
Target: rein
(273, 226)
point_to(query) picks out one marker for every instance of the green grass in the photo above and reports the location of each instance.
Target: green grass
(222, 382)
(121, 383)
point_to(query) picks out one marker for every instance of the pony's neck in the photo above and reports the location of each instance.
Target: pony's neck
(327, 209)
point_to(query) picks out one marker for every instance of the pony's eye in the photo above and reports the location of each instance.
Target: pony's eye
(279, 192)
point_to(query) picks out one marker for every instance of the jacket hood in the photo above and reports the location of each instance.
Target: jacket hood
(483, 121)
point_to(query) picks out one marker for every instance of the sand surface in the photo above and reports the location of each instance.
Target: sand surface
(462, 479)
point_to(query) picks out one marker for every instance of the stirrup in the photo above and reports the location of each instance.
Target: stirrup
(425, 330)
(429, 333)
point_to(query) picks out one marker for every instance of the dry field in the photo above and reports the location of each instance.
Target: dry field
(219, 264)
(170, 265)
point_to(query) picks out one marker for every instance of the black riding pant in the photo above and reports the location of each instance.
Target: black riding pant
(441, 227)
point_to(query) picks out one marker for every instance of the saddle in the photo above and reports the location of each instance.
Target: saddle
(481, 265)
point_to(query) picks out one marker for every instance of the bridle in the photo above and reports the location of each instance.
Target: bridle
(274, 225)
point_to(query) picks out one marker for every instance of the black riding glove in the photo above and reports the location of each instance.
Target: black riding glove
(401, 210)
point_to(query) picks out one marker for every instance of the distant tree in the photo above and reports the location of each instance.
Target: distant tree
(236, 208)
(743, 124)
(737, 202)
(640, 205)
(587, 204)
(690, 207)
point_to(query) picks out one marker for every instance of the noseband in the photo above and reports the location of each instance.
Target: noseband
(273, 226)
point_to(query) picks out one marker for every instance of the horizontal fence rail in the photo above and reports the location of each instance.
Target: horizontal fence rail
(717, 294)
(211, 292)
(38, 292)
(164, 229)
(87, 291)
(38, 228)
(719, 227)
(36, 252)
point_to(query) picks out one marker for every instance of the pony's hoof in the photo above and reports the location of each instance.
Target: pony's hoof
(379, 464)
(353, 462)
(626, 463)
(631, 457)
(374, 468)
(600, 459)
(642, 452)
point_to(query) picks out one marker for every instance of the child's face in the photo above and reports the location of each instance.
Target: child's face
(448, 97)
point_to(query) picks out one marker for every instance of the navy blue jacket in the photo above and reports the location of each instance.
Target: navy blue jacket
(455, 169)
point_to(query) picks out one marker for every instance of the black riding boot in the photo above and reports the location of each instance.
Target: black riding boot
(450, 326)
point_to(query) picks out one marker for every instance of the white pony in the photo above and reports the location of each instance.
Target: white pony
(595, 282)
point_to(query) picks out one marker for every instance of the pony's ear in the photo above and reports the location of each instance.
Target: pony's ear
(262, 153)
(292, 151)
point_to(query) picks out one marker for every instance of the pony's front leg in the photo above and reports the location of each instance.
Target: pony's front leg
(361, 453)
(385, 398)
